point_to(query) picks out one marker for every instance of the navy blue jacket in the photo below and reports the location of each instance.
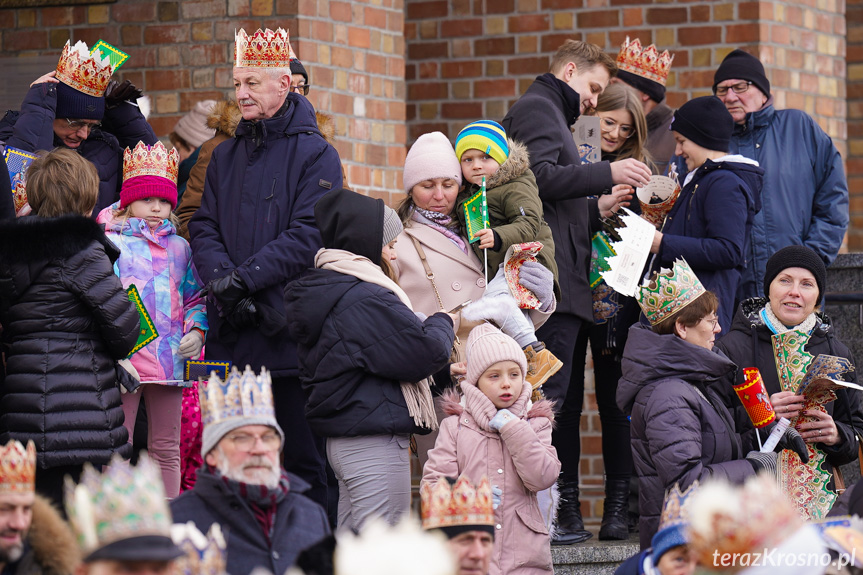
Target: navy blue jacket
(32, 129)
(357, 341)
(299, 523)
(257, 216)
(709, 226)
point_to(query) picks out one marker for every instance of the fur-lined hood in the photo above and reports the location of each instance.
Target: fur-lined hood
(451, 404)
(327, 126)
(52, 541)
(225, 117)
(517, 163)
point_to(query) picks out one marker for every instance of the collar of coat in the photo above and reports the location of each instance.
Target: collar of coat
(757, 119)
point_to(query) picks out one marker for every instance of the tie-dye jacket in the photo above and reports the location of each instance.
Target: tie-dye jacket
(159, 263)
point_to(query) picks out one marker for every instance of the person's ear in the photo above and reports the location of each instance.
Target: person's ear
(210, 458)
(570, 70)
(680, 329)
(284, 83)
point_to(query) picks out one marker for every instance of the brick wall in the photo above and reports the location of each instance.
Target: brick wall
(182, 52)
(854, 163)
(469, 59)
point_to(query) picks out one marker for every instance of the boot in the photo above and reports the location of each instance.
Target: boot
(615, 514)
(541, 364)
(569, 525)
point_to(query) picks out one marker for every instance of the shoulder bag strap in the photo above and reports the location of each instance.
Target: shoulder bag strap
(428, 270)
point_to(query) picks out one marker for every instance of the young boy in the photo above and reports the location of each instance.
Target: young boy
(515, 217)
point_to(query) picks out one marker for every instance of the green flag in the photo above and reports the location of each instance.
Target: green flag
(476, 213)
(117, 57)
(148, 331)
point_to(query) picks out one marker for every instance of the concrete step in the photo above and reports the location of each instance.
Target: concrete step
(593, 557)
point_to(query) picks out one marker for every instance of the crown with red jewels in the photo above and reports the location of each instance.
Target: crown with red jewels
(87, 73)
(204, 554)
(264, 49)
(155, 160)
(645, 62)
(669, 292)
(460, 504)
(17, 467)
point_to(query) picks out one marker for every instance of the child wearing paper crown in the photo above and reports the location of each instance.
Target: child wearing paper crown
(515, 217)
(498, 434)
(159, 263)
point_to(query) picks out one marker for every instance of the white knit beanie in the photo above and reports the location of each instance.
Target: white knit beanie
(487, 345)
(193, 126)
(431, 156)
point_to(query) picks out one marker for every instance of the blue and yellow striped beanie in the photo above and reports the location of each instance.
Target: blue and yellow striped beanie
(486, 136)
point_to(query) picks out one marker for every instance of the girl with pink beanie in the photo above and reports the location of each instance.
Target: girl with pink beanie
(499, 435)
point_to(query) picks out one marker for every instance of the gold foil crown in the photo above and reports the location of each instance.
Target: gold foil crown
(204, 554)
(143, 160)
(87, 73)
(17, 468)
(645, 62)
(674, 510)
(669, 292)
(240, 396)
(460, 504)
(121, 503)
(265, 49)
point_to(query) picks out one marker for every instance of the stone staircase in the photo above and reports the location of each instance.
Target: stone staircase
(593, 557)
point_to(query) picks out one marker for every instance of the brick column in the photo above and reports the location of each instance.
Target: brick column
(854, 161)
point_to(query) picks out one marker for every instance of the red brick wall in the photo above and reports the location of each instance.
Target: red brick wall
(854, 161)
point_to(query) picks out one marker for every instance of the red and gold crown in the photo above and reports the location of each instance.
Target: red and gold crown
(154, 160)
(457, 505)
(645, 62)
(17, 468)
(265, 49)
(87, 73)
(669, 292)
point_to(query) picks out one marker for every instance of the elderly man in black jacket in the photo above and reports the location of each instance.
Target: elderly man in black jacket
(541, 119)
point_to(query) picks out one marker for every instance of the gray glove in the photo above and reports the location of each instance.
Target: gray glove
(791, 439)
(538, 279)
(762, 461)
(496, 495)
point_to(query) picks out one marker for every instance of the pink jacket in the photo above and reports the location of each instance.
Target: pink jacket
(520, 460)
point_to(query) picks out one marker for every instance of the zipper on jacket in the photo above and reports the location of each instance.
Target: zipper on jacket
(269, 199)
(692, 197)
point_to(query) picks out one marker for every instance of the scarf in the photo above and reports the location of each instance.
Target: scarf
(417, 395)
(776, 326)
(440, 222)
(261, 499)
(570, 99)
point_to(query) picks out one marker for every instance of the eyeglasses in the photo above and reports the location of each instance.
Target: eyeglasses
(244, 442)
(78, 124)
(302, 89)
(738, 88)
(712, 321)
(625, 130)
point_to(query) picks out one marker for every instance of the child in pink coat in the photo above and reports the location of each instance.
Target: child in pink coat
(499, 435)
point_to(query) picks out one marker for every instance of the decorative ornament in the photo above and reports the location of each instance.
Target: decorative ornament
(645, 62)
(85, 72)
(669, 292)
(17, 468)
(240, 396)
(155, 160)
(516, 256)
(445, 505)
(264, 49)
(204, 554)
(674, 509)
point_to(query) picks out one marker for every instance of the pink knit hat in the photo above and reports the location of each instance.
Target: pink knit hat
(431, 156)
(487, 345)
(193, 126)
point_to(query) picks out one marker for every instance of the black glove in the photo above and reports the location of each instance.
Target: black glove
(791, 439)
(116, 93)
(228, 290)
(244, 314)
(762, 461)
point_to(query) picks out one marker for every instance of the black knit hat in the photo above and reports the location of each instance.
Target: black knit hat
(77, 105)
(795, 257)
(706, 122)
(298, 68)
(654, 90)
(740, 65)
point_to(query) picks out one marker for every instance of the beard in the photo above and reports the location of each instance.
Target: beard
(256, 470)
(13, 552)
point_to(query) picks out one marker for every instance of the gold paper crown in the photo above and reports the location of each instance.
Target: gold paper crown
(204, 554)
(121, 503)
(144, 160)
(87, 73)
(669, 292)
(17, 468)
(265, 49)
(461, 504)
(674, 510)
(645, 62)
(240, 396)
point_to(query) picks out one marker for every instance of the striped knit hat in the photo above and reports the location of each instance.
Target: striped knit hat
(487, 136)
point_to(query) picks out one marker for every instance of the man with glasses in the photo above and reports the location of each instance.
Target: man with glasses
(805, 194)
(299, 78)
(242, 486)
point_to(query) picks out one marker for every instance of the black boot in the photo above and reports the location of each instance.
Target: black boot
(614, 515)
(569, 527)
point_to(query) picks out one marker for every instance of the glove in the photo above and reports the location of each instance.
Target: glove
(496, 495)
(762, 461)
(538, 279)
(244, 314)
(229, 290)
(501, 418)
(116, 93)
(791, 439)
(191, 345)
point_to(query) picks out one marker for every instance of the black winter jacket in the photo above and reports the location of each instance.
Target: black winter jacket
(356, 342)
(66, 319)
(681, 431)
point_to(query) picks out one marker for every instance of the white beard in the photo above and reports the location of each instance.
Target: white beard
(267, 477)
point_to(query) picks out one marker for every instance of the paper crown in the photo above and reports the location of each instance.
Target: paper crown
(457, 505)
(645, 62)
(17, 468)
(240, 396)
(203, 554)
(85, 72)
(381, 549)
(121, 503)
(144, 160)
(674, 510)
(669, 292)
(265, 49)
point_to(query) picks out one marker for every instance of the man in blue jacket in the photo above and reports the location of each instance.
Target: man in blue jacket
(255, 231)
(805, 194)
